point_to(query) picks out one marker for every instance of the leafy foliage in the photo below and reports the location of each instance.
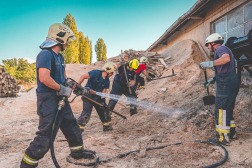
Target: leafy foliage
(80, 50)
(71, 53)
(21, 69)
(101, 50)
(85, 49)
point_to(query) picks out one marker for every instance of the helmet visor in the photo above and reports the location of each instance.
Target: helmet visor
(72, 38)
(48, 43)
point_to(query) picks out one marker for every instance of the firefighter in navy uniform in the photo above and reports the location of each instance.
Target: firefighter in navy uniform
(227, 87)
(51, 76)
(98, 80)
(121, 86)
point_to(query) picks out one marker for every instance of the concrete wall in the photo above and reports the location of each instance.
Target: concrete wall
(200, 29)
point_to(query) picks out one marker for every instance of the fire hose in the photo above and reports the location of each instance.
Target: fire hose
(77, 90)
(152, 148)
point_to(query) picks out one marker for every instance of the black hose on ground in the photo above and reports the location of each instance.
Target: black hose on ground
(151, 148)
(51, 141)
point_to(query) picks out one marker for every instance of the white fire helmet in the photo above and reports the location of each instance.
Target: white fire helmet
(58, 34)
(214, 38)
(143, 59)
(109, 67)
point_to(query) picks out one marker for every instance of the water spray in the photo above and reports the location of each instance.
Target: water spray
(153, 106)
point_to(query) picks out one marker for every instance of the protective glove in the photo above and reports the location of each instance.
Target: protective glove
(204, 65)
(129, 84)
(64, 91)
(210, 81)
(151, 75)
(86, 91)
(149, 78)
(103, 102)
(121, 63)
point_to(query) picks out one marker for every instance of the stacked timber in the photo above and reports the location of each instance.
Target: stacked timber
(8, 85)
(156, 63)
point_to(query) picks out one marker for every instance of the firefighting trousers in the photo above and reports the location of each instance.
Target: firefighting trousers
(47, 104)
(227, 90)
(140, 80)
(119, 89)
(87, 110)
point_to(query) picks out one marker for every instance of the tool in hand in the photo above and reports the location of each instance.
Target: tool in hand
(125, 73)
(209, 99)
(99, 104)
(173, 74)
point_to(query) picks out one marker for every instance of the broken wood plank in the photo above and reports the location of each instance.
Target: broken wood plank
(162, 61)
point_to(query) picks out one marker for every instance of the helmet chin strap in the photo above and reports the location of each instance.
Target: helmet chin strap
(212, 46)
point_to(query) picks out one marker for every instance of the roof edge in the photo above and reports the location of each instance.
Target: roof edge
(197, 6)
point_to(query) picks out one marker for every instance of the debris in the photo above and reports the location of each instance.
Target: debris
(156, 63)
(8, 84)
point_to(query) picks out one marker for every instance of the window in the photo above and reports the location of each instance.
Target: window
(235, 24)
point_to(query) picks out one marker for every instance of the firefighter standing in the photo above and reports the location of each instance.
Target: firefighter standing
(51, 76)
(98, 80)
(227, 87)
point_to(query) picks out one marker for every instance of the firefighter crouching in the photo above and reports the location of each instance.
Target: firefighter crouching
(98, 80)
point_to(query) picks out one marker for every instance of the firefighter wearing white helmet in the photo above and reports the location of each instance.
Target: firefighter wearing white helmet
(142, 69)
(98, 80)
(227, 84)
(58, 34)
(51, 76)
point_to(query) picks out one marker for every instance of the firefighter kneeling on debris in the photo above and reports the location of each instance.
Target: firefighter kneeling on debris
(142, 69)
(98, 80)
(51, 76)
(121, 85)
(227, 87)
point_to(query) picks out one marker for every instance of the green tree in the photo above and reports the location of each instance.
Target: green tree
(104, 52)
(71, 53)
(81, 47)
(85, 53)
(10, 66)
(91, 51)
(100, 49)
(21, 69)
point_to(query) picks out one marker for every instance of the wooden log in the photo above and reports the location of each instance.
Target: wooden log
(162, 62)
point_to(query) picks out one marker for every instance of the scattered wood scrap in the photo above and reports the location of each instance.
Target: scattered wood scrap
(156, 63)
(8, 84)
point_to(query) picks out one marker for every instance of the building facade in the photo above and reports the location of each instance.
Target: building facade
(230, 18)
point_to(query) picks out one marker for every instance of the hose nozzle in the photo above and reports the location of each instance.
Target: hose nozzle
(92, 92)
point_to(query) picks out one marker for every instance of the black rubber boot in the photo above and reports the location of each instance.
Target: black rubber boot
(81, 154)
(234, 136)
(133, 110)
(25, 165)
(108, 128)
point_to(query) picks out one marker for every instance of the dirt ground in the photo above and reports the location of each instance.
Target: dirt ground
(148, 128)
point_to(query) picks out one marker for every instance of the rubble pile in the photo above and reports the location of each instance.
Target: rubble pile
(8, 85)
(157, 63)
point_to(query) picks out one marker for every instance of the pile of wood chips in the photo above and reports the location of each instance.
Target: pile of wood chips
(156, 63)
(8, 85)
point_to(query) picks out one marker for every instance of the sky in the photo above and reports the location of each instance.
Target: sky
(122, 24)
